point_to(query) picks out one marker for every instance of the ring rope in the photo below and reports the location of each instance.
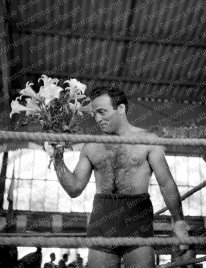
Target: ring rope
(182, 263)
(88, 242)
(40, 136)
(82, 242)
(184, 196)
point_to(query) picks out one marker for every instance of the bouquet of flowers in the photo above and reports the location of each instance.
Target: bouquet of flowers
(56, 109)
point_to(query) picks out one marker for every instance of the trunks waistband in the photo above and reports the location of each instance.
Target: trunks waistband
(121, 196)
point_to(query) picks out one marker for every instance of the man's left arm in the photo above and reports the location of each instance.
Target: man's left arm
(169, 190)
(166, 182)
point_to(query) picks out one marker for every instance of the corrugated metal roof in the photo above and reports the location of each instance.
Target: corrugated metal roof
(154, 45)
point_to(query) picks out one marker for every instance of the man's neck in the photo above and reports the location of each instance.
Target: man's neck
(121, 131)
(124, 129)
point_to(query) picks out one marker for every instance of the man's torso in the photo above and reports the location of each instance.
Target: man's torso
(121, 168)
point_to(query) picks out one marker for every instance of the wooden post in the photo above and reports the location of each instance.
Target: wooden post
(5, 70)
(3, 178)
(57, 221)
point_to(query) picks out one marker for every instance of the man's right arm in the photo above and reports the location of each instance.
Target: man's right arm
(73, 183)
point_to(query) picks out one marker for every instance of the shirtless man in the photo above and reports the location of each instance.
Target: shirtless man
(122, 205)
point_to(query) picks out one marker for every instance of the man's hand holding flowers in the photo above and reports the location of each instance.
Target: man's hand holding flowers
(56, 109)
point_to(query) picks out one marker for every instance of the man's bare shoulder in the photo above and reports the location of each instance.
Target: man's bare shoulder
(145, 133)
(158, 149)
(141, 132)
(89, 148)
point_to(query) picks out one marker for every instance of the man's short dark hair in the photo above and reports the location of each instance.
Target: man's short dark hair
(65, 255)
(117, 95)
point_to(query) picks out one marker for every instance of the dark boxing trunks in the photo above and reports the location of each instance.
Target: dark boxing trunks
(121, 216)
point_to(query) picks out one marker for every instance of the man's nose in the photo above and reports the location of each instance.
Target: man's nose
(98, 118)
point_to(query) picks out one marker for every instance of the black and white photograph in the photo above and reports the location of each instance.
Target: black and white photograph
(102, 133)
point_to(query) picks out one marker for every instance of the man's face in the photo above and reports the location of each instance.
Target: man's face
(104, 113)
(66, 258)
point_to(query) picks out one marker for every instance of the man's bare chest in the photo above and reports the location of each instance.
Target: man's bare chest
(118, 156)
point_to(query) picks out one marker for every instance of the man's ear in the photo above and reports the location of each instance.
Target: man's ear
(121, 109)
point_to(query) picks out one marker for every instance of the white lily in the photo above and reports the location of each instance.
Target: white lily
(76, 89)
(49, 90)
(17, 108)
(79, 108)
(32, 106)
(48, 80)
(50, 93)
(39, 104)
(29, 92)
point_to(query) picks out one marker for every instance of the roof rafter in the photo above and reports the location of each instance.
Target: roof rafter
(141, 97)
(111, 37)
(128, 79)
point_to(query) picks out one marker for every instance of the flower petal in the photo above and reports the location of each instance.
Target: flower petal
(49, 93)
(75, 87)
(32, 105)
(16, 107)
(29, 92)
(48, 80)
(74, 106)
(77, 97)
(79, 113)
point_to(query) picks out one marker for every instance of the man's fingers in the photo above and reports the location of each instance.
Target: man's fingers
(60, 147)
(49, 148)
(54, 148)
(181, 230)
(184, 247)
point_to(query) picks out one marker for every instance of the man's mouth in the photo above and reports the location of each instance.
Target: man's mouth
(103, 125)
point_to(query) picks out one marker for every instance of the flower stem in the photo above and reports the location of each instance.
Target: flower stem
(48, 115)
(71, 121)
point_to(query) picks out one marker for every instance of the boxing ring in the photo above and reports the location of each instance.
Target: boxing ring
(22, 239)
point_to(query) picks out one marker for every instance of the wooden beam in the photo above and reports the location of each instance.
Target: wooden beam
(73, 222)
(4, 95)
(141, 96)
(117, 36)
(124, 79)
(142, 82)
(185, 196)
(40, 224)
